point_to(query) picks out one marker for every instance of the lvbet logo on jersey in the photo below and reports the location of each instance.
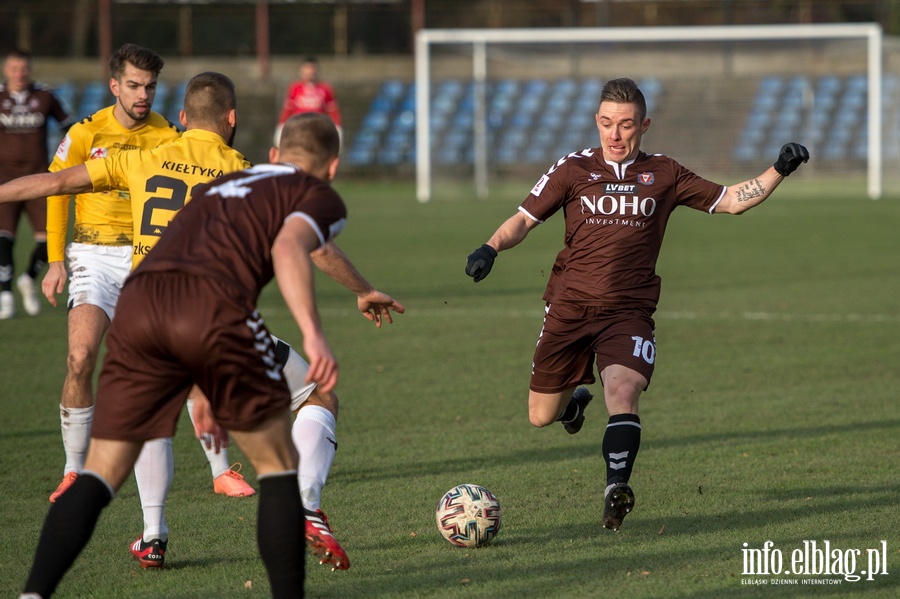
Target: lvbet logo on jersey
(618, 199)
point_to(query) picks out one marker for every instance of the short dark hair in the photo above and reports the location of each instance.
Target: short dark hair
(209, 97)
(138, 56)
(312, 134)
(624, 91)
(19, 53)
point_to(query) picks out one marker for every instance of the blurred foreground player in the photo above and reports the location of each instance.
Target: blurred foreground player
(188, 314)
(603, 289)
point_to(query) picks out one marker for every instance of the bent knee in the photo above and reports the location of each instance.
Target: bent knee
(328, 400)
(81, 362)
(541, 418)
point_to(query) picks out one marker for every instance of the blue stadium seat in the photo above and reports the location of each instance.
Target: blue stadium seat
(770, 85)
(93, 98)
(376, 120)
(65, 91)
(392, 89)
(358, 156)
(176, 104)
(161, 100)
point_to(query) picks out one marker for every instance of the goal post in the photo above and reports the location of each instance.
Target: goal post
(427, 40)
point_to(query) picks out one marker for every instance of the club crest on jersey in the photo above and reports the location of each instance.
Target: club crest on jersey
(97, 153)
(645, 178)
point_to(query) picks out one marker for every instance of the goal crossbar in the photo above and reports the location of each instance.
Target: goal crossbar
(479, 38)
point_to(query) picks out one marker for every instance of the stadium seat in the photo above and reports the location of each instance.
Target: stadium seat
(66, 92)
(176, 104)
(393, 90)
(770, 85)
(93, 98)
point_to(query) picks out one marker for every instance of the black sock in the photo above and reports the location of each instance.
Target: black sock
(38, 260)
(6, 262)
(280, 534)
(67, 529)
(620, 446)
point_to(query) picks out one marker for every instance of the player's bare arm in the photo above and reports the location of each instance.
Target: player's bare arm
(373, 304)
(31, 187)
(206, 429)
(294, 273)
(745, 195)
(512, 232)
(54, 281)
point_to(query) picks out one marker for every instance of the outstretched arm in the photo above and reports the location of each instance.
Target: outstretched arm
(510, 234)
(373, 304)
(743, 196)
(67, 181)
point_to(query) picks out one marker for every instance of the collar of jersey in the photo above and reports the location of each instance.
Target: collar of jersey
(203, 134)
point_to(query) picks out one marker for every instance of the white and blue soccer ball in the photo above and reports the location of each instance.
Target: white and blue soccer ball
(468, 516)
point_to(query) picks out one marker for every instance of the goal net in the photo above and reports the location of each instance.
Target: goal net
(493, 104)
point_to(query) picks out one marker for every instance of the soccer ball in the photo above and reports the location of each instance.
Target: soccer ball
(468, 516)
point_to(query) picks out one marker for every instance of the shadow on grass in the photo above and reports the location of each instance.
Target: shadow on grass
(732, 436)
(557, 452)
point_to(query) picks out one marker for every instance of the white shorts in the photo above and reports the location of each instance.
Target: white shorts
(97, 274)
(295, 369)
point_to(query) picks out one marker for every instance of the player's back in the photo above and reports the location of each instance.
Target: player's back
(227, 230)
(161, 180)
(105, 217)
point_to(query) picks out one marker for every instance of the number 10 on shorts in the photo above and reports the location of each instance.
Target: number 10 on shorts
(644, 348)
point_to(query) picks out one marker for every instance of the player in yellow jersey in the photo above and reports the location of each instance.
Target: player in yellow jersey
(100, 256)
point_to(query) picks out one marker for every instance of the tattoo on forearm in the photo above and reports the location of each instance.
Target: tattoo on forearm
(751, 189)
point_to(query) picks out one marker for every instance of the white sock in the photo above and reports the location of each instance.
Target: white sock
(154, 471)
(218, 462)
(76, 435)
(313, 434)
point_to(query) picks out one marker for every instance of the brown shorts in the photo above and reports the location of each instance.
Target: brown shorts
(172, 330)
(11, 212)
(574, 335)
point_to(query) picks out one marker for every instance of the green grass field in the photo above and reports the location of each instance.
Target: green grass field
(772, 416)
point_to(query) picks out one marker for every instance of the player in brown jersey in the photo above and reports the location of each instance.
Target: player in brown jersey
(603, 289)
(25, 107)
(188, 314)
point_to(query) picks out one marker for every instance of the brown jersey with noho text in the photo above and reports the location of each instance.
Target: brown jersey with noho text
(616, 216)
(227, 229)
(23, 129)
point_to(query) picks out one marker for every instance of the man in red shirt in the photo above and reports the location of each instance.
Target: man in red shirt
(309, 94)
(603, 289)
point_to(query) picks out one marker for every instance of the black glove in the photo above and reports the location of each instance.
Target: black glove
(479, 262)
(789, 159)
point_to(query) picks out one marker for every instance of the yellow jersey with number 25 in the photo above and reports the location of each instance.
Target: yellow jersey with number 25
(161, 181)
